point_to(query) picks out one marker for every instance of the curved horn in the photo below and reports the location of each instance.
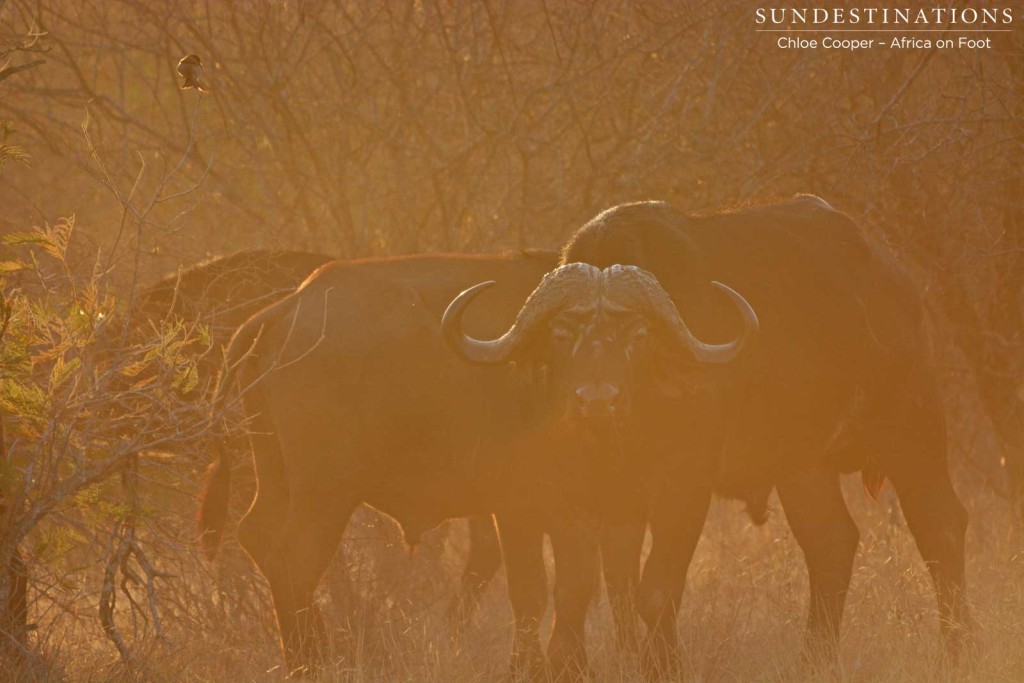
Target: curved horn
(564, 284)
(472, 350)
(723, 353)
(645, 289)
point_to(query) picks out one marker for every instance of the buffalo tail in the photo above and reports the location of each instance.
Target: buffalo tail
(213, 507)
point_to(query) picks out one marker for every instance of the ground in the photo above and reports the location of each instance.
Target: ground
(741, 620)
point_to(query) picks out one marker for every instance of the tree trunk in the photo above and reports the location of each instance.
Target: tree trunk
(13, 588)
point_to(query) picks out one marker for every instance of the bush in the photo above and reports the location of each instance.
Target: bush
(88, 411)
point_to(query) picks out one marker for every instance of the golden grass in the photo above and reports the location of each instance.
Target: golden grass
(741, 620)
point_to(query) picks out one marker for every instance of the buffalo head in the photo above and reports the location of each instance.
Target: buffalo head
(597, 331)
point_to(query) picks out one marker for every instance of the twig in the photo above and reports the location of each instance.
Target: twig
(108, 599)
(9, 71)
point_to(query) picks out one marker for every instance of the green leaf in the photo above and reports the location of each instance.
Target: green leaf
(186, 378)
(62, 371)
(25, 238)
(23, 399)
(133, 369)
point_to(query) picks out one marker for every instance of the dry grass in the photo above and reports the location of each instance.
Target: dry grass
(741, 619)
(387, 140)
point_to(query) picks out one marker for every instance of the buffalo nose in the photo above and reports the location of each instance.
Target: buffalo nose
(597, 401)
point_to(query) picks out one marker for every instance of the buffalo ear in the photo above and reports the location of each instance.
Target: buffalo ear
(529, 374)
(671, 373)
(535, 351)
(687, 380)
(669, 385)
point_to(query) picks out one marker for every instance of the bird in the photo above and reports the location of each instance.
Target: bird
(191, 68)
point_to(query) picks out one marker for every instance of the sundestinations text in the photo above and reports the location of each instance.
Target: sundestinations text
(887, 16)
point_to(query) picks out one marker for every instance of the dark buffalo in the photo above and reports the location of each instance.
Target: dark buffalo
(220, 294)
(838, 381)
(354, 396)
(224, 292)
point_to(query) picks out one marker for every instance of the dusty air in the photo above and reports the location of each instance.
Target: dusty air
(531, 342)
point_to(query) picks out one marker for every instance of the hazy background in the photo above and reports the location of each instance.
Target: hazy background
(367, 128)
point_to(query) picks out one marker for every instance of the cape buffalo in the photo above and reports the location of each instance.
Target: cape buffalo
(838, 381)
(354, 396)
(224, 292)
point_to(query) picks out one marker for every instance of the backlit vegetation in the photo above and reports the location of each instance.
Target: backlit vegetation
(363, 128)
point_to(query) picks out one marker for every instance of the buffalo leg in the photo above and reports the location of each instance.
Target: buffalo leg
(310, 544)
(621, 546)
(481, 566)
(293, 560)
(939, 523)
(522, 545)
(820, 521)
(676, 523)
(576, 561)
(261, 528)
(910, 440)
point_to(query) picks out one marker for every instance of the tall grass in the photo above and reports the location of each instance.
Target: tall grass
(741, 620)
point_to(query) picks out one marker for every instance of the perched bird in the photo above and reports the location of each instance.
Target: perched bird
(191, 68)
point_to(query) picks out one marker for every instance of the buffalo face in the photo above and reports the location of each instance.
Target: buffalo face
(598, 333)
(596, 352)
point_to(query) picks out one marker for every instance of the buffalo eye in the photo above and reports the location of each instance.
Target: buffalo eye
(637, 337)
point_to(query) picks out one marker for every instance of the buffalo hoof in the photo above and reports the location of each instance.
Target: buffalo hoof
(457, 621)
(312, 666)
(628, 640)
(660, 660)
(533, 675)
(820, 658)
(527, 669)
(654, 673)
(960, 646)
(460, 616)
(569, 671)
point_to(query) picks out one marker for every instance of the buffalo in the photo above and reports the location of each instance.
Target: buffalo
(353, 395)
(838, 381)
(224, 292)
